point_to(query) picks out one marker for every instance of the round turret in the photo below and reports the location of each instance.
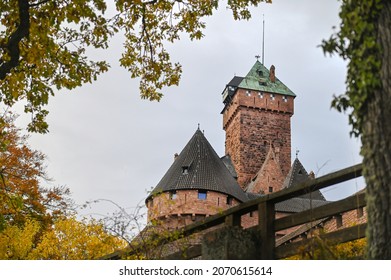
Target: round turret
(197, 184)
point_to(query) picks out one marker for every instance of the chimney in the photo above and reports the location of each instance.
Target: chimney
(272, 74)
(175, 156)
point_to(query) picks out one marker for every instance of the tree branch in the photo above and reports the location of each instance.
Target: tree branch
(150, 2)
(39, 3)
(145, 31)
(12, 46)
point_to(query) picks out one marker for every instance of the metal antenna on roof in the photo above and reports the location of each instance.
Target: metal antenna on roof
(263, 41)
(198, 126)
(297, 153)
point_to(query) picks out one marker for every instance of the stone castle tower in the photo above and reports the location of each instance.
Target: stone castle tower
(256, 119)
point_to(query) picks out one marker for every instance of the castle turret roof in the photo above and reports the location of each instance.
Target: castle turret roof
(199, 167)
(297, 174)
(261, 79)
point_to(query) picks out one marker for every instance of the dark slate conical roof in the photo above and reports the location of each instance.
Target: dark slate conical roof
(199, 167)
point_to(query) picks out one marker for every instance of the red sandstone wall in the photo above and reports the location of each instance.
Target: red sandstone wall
(351, 218)
(253, 123)
(250, 220)
(186, 207)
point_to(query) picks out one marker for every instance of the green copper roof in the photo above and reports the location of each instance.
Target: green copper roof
(258, 79)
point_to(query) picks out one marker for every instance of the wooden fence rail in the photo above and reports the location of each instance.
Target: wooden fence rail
(268, 225)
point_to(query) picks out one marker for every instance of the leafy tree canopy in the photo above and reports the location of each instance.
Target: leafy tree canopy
(66, 239)
(38, 222)
(22, 175)
(44, 43)
(356, 41)
(70, 239)
(364, 39)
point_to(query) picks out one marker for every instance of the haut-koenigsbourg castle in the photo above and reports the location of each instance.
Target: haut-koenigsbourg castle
(257, 111)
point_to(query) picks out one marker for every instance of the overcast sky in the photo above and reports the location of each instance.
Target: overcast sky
(105, 142)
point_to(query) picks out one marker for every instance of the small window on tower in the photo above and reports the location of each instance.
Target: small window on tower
(229, 200)
(260, 94)
(248, 93)
(173, 195)
(272, 96)
(285, 99)
(202, 195)
(270, 189)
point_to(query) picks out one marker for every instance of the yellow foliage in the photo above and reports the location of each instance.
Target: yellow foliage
(321, 250)
(16, 242)
(70, 239)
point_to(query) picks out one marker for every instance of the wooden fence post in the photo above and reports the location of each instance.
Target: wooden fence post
(233, 220)
(266, 216)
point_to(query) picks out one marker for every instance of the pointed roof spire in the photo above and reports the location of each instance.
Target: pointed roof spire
(297, 174)
(199, 167)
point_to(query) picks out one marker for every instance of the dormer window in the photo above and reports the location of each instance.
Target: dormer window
(185, 170)
(262, 82)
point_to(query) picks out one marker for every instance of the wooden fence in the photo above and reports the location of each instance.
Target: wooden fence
(268, 224)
